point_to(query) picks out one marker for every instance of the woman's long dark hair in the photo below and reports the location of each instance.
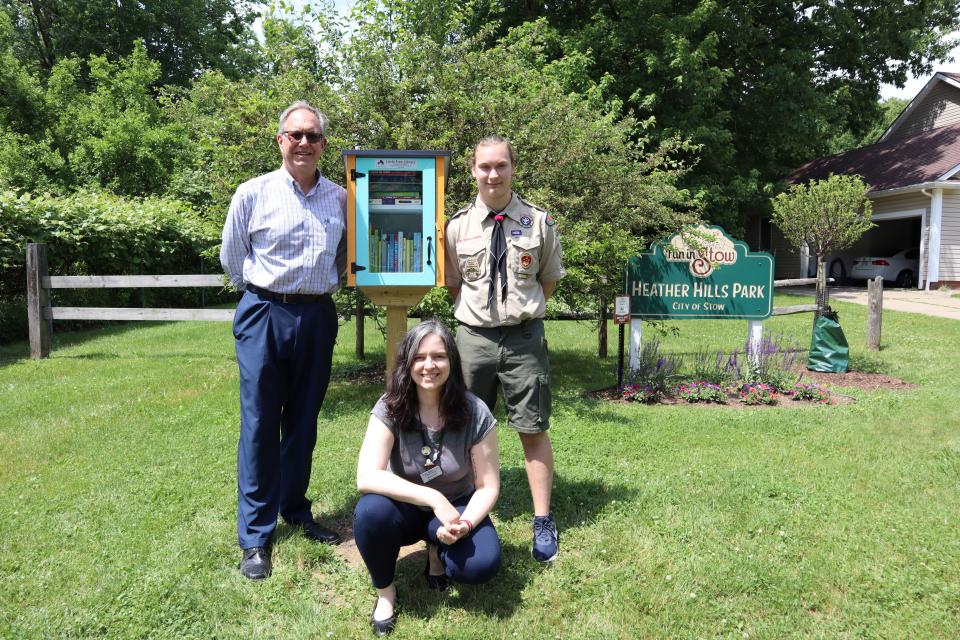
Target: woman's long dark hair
(401, 397)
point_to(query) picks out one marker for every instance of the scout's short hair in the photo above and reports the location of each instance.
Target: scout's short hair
(490, 141)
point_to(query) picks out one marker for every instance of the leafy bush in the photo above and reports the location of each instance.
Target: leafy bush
(702, 391)
(437, 304)
(94, 233)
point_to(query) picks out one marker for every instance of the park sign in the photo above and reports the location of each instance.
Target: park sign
(701, 273)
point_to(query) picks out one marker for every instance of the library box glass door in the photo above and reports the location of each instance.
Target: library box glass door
(396, 221)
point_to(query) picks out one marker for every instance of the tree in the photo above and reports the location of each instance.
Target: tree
(26, 157)
(760, 87)
(95, 124)
(233, 125)
(184, 36)
(890, 110)
(579, 157)
(825, 216)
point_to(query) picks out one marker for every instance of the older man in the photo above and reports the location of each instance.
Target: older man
(284, 245)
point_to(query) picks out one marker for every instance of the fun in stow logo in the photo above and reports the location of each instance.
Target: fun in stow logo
(705, 249)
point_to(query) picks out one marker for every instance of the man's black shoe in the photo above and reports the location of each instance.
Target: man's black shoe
(314, 531)
(256, 563)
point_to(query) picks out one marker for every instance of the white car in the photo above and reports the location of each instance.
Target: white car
(901, 268)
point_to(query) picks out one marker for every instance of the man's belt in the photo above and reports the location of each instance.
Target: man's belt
(290, 298)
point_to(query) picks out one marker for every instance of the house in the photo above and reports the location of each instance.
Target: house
(914, 174)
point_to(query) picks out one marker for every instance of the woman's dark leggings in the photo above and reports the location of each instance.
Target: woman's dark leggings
(382, 525)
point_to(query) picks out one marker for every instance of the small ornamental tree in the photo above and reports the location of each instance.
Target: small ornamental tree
(825, 215)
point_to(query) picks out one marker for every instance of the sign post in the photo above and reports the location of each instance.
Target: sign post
(621, 316)
(701, 274)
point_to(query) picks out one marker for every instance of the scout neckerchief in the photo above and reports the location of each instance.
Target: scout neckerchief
(498, 258)
(431, 454)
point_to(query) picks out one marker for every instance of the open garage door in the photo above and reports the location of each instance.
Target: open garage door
(894, 234)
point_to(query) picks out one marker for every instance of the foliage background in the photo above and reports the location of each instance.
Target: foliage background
(100, 233)
(631, 118)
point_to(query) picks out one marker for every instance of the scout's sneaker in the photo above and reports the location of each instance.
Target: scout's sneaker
(545, 539)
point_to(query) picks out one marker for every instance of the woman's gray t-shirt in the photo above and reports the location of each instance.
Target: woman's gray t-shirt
(408, 462)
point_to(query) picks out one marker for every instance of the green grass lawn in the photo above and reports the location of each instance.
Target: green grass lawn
(118, 498)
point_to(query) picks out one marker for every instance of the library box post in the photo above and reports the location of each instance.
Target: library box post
(395, 229)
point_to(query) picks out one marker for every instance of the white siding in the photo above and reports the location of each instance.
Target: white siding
(939, 108)
(903, 202)
(950, 237)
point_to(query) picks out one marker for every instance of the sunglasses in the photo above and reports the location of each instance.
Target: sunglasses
(312, 136)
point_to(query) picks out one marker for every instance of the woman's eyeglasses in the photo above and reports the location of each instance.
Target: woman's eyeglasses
(312, 136)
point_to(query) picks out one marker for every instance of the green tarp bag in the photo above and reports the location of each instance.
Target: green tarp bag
(829, 351)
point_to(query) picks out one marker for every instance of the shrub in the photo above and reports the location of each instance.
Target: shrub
(94, 233)
(437, 304)
(702, 391)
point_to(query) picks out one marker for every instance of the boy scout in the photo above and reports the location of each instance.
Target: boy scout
(503, 261)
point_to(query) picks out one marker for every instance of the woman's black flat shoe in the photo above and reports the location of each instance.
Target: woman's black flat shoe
(437, 583)
(382, 627)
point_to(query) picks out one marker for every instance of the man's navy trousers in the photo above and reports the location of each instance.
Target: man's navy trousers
(284, 351)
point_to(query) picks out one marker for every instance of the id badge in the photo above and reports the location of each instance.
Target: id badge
(431, 473)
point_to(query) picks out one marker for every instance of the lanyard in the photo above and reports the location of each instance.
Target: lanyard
(430, 453)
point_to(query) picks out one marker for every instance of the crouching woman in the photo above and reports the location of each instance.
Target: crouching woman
(429, 471)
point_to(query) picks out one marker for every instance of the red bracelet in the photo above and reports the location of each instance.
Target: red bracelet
(469, 524)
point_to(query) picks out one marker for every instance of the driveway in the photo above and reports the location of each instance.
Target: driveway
(932, 303)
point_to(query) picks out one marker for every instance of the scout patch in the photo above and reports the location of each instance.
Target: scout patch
(550, 221)
(471, 268)
(526, 260)
(516, 232)
(526, 221)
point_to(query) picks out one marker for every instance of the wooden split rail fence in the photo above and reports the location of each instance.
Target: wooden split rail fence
(40, 314)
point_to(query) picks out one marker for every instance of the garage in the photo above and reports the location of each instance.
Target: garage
(913, 173)
(897, 237)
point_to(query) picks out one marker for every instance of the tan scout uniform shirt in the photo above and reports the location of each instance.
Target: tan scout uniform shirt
(533, 256)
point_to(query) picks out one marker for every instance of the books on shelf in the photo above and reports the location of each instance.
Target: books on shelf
(395, 252)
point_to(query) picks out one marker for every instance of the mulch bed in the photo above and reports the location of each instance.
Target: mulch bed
(374, 374)
(831, 381)
(856, 380)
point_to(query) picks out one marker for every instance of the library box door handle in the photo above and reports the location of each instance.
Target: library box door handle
(429, 244)
(354, 267)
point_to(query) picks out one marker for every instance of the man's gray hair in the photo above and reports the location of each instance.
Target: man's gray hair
(306, 106)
